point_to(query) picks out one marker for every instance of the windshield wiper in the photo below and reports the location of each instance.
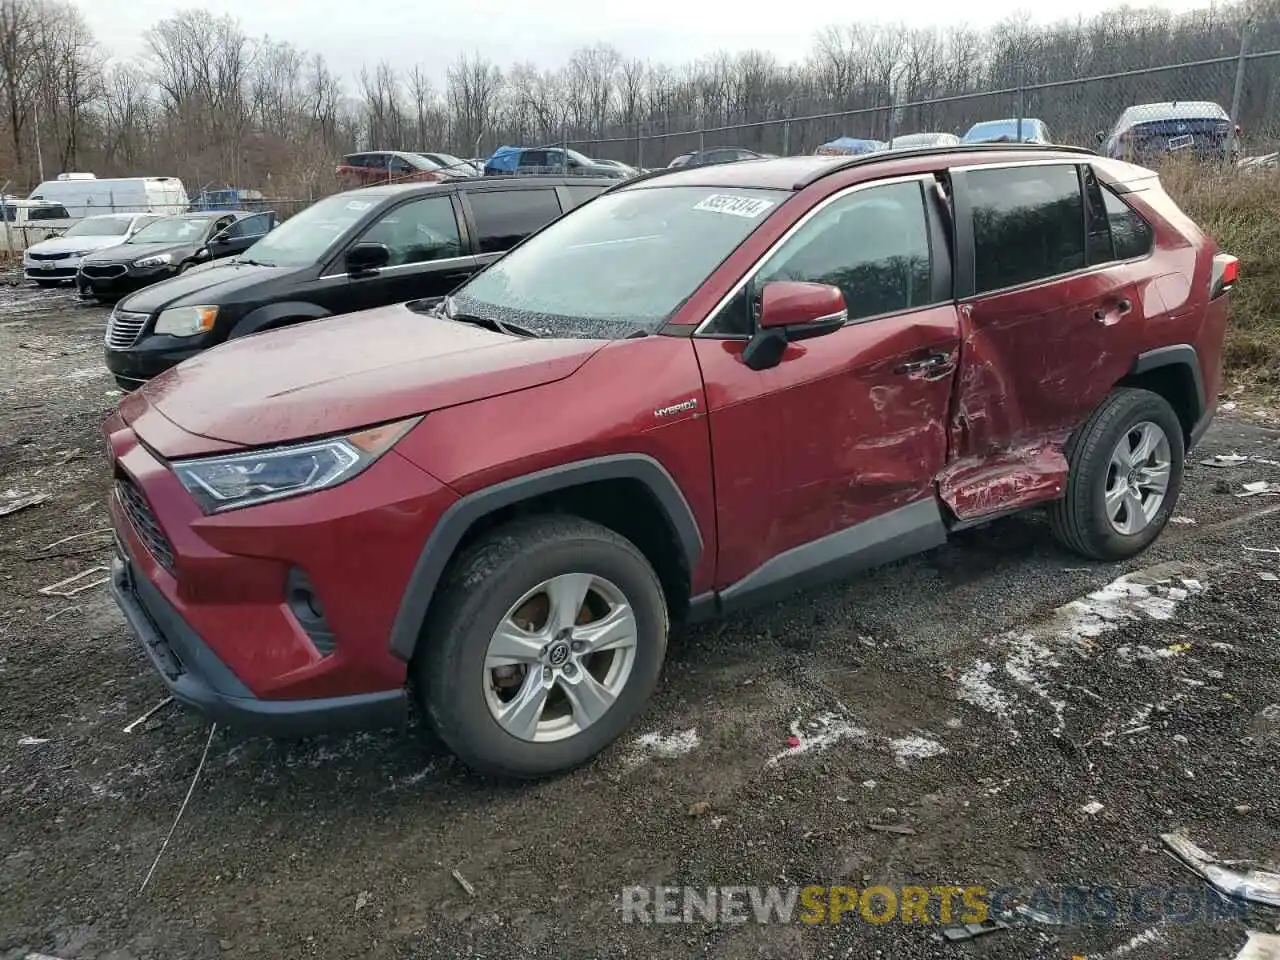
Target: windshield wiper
(492, 323)
(254, 263)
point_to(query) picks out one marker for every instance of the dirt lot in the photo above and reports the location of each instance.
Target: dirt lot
(982, 696)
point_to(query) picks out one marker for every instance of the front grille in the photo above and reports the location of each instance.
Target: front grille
(144, 522)
(123, 328)
(48, 256)
(106, 271)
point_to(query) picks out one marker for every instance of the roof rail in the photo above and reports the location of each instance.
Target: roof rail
(866, 159)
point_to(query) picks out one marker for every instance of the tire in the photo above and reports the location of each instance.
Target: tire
(127, 385)
(47, 284)
(460, 693)
(1080, 520)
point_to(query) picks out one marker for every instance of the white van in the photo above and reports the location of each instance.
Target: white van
(85, 196)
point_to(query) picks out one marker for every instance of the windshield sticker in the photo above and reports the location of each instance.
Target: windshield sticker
(750, 207)
(359, 205)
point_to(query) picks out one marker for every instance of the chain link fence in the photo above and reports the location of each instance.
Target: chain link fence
(1246, 86)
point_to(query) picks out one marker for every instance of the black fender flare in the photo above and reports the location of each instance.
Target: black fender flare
(458, 519)
(1177, 355)
(270, 315)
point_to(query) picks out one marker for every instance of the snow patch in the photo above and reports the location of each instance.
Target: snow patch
(666, 747)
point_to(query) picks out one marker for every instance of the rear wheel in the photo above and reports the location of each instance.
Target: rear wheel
(547, 639)
(1126, 471)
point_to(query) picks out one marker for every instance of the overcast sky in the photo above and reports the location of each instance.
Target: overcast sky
(547, 31)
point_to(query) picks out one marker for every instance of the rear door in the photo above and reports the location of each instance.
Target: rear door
(429, 257)
(1051, 320)
(499, 219)
(848, 427)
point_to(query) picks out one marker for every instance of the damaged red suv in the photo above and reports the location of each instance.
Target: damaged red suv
(699, 390)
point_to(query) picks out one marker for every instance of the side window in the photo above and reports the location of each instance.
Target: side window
(418, 231)
(254, 226)
(401, 166)
(873, 244)
(1130, 233)
(575, 195)
(49, 212)
(533, 158)
(1028, 224)
(1098, 246)
(505, 217)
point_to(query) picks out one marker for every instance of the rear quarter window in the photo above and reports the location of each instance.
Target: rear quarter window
(505, 217)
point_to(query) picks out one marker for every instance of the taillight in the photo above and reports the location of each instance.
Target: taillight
(1226, 271)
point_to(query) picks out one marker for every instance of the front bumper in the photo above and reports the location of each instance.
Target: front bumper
(62, 269)
(142, 361)
(197, 678)
(123, 284)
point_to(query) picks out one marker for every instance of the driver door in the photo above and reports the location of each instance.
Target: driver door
(830, 455)
(428, 258)
(241, 235)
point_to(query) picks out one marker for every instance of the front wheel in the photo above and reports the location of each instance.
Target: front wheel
(1125, 475)
(545, 642)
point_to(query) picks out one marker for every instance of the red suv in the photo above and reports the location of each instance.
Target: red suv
(698, 390)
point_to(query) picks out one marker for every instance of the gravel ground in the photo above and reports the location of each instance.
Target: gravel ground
(983, 697)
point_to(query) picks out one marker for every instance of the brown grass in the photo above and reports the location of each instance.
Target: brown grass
(1242, 213)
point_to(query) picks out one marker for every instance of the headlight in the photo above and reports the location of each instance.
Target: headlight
(244, 479)
(160, 259)
(186, 321)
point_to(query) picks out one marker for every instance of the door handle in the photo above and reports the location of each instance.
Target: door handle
(1123, 307)
(933, 364)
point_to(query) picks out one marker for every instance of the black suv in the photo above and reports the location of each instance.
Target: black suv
(167, 247)
(352, 251)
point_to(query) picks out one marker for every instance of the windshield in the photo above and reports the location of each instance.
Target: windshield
(304, 238)
(575, 155)
(99, 227)
(171, 230)
(623, 262)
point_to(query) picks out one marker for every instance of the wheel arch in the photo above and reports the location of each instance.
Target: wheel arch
(632, 494)
(1172, 372)
(273, 314)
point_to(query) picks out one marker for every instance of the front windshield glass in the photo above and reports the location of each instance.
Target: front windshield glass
(99, 227)
(622, 263)
(171, 230)
(304, 238)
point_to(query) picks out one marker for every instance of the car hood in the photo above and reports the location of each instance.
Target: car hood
(352, 371)
(129, 252)
(73, 244)
(215, 283)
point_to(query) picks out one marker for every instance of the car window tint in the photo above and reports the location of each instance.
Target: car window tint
(578, 195)
(401, 165)
(533, 158)
(418, 231)
(48, 212)
(505, 217)
(1028, 224)
(254, 226)
(1130, 233)
(873, 244)
(1098, 246)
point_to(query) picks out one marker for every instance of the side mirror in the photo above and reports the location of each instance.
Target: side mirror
(367, 257)
(203, 252)
(1100, 136)
(790, 311)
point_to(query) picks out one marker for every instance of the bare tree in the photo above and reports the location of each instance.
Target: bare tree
(474, 87)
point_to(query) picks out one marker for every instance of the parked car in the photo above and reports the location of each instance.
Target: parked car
(27, 222)
(627, 169)
(547, 161)
(168, 247)
(1012, 130)
(696, 392)
(1148, 131)
(456, 165)
(702, 158)
(84, 195)
(348, 252)
(849, 147)
(389, 166)
(57, 260)
(914, 141)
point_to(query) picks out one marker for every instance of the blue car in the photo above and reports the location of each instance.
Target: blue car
(1007, 131)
